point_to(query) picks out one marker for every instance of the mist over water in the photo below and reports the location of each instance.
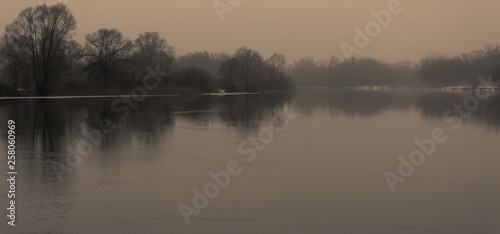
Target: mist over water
(323, 174)
(238, 116)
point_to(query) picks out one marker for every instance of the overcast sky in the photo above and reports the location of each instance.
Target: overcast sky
(296, 28)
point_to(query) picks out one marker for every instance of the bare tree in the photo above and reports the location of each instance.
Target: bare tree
(40, 34)
(228, 73)
(73, 65)
(196, 78)
(104, 49)
(151, 50)
(12, 61)
(276, 64)
(210, 62)
(250, 65)
(305, 72)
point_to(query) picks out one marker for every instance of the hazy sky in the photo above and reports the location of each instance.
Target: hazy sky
(296, 28)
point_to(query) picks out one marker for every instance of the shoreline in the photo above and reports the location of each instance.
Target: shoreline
(127, 95)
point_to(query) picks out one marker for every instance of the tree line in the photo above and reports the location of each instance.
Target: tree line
(431, 71)
(441, 71)
(352, 72)
(39, 56)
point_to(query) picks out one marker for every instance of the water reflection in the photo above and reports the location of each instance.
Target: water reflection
(434, 104)
(47, 127)
(168, 145)
(366, 104)
(353, 103)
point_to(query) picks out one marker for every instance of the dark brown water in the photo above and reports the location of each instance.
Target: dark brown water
(323, 174)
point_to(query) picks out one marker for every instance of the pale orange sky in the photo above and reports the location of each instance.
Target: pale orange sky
(296, 28)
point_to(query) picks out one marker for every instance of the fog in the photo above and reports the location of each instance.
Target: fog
(291, 27)
(250, 116)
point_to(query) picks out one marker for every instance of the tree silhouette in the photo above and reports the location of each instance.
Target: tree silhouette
(104, 49)
(40, 34)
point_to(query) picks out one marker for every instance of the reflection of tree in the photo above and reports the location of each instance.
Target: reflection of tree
(42, 128)
(492, 113)
(47, 127)
(239, 111)
(49, 137)
(40, 136)
(352, 103)
(142, 124)
(247, 111)
(148, 125)
(434, 105)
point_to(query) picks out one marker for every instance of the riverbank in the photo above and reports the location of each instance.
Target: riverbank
(119, 96)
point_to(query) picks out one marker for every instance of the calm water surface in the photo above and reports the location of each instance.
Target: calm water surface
(323, 174)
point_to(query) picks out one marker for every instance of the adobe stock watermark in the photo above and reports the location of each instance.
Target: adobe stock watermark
(427, 147)
(221, 179)
(120, 106)
(224, 6)
(372, 29)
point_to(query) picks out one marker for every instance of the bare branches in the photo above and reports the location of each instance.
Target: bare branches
(105, 48)
(40, 33)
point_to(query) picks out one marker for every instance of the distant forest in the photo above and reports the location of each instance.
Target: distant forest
(431, 72)
(38, 56)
